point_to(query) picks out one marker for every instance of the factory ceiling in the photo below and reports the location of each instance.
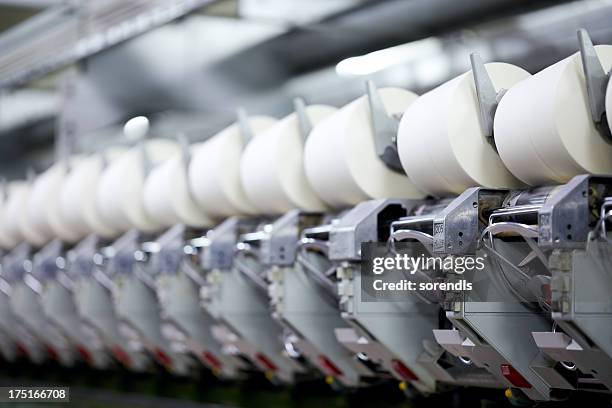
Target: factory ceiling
(194, 67)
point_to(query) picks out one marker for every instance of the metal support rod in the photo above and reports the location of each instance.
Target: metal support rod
(186, 159)
(184, 146)
(384, 127)
(488, 97)
(304, 123)
(245, 128)
(596, 79)
(146, 160)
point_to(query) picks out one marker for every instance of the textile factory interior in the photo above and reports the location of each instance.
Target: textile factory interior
(304, 203)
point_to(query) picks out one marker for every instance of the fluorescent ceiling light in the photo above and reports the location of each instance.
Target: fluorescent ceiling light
(379, 60)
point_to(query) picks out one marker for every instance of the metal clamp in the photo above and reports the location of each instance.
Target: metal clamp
(384, 127)
(400, 235)
(304, 123)
(314, 245)
(321, 277)
(244, 250)
(596, 79)
(488, 97)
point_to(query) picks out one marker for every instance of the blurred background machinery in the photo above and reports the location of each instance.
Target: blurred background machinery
(82, 67)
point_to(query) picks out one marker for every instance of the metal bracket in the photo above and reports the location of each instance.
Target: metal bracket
(279, 245)
(384, 127)
(362, 224)
(45, 260)
(171, 251)
(81, 257)
(122, 260)
(223, 239)
(304, 123)
(565, 218)
(596, 83)
(457, 228)
(185, 159)
(245, 128)
(14, 263)
(488, 97)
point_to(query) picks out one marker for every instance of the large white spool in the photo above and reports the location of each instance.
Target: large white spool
(340, 157)
(17, 217)
(272, 166)
(44, 206)
(155, 193)
(440, 139)
(78, 196)
(214, 170)
(167, 196)
(543, 127)
(119, 194)
(11, 211)
(37, 202)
